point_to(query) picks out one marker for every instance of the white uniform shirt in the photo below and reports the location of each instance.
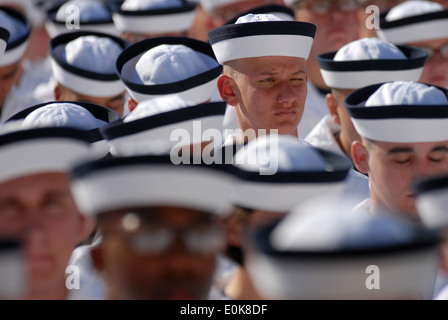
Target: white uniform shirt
(91, 284)
(322, 136)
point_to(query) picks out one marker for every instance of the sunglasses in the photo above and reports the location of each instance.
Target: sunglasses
(326, 6)
(151, 237)
(443, 51)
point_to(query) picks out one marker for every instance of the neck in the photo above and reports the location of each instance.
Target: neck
(240, 286)
(343, 144)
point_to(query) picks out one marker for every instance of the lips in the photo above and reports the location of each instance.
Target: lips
(289, 113)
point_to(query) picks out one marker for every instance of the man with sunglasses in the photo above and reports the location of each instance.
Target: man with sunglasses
(337, 24)
(421, 24)
(160, 235)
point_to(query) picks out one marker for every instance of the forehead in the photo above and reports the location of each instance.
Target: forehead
(270, 63)
(36, 182)
(418, 147)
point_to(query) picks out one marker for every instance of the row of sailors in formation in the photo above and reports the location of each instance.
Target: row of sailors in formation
(153, 228)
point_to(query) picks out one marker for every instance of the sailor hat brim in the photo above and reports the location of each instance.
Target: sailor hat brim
(196, 89)
(362, 73)
(143, 136)
(397, 123)
(259, 39)
(80, 80)
(341, 274)
(423, 27)
(34, 151)
(283, 190)
(56, 28)
(151, 181)
(16, 49)
(153, 21)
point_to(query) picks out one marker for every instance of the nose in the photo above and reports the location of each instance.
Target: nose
(33, 230)
(287, 94)
(179, 260)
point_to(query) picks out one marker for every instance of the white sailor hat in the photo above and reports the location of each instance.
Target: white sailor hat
(370, 61)
(278, 10)
(413, 21)
(249, 36)
(152, 16)
(276, 172)
(169, 65)
(210, 5)
(151, 181)
(85, 62)
(150, 127)
(432, 201)
(4, 37)
(26, 152)
(19, 29)
(91, 15)
(322, 251)
(400, 111)
(84, 116)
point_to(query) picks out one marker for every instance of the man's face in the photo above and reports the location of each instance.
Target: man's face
(8, 76)
(41, 211)
(393, 168)
(435, 70)
(115, 103)
(160, 253)
(270, 93)
(336, 21)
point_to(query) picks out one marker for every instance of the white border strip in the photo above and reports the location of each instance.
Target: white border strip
(427, 30)
(210, 5)
(263, 45)
(40, 155)
(155, 23)
(153, 185)
(363, 78)
(432, 208)
(55, 29)
(161, 140)
(281, 197)
(408, 275)
(3, 45)
(195, 96)
(90, 87)
(14, 55)
(402, 130)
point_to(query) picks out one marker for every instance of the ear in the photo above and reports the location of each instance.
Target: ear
(360, 157)
(332, 105)
(233, 228)
(132, 104)
(57, 93)
(226, 89)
